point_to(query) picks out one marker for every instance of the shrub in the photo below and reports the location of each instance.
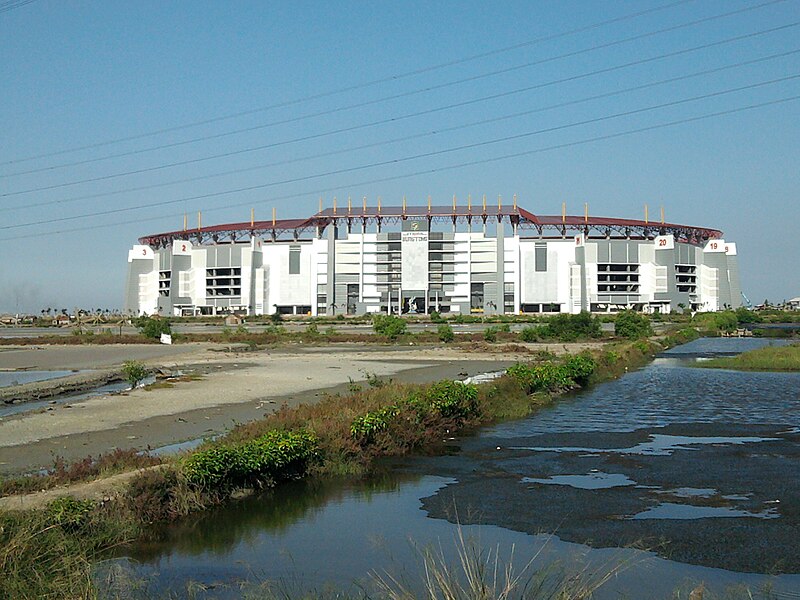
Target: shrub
(529, 334)
(579, 367)
(150, 494)
(453, 398)
(134, 372)
(276, 317)
(389, 325)
(743, 315)
(568, 328)
(436, 317)
(632, 325)
(445, 333)
(490, 334)
(365, 427)
(551, 377)
(277, 454)
(69, 513)
(153, 328)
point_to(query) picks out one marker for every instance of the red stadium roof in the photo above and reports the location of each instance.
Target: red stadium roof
(550, 225)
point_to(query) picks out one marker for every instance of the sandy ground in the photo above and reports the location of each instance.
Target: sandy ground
(237, 387)
(88, 357)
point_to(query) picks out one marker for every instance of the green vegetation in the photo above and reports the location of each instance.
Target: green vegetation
(714, 323)
(86, 469)
(389, 325)
(553, 377)
(770, 358)
(744, 315)
(436, 317)
(569, 328)
(152, 328)
(49, 553)
(134, 372)
(261, 461)
(681, 336)
(445, 333)
(529, 334)
(632, 325)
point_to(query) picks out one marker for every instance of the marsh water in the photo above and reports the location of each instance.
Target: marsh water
(699, 467)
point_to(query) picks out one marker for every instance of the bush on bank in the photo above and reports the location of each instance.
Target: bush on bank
(389, 325)
(49, 553)
(568, 328)
(554, 377)
(152, 328)
(632, 325)
(268, 458)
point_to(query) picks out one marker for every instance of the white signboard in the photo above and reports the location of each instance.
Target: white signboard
(664, 242)
(255, 244)
(580, 240)
(715, 246)
(140, 253)
(181, 248)
(414, 248)
(730, 248)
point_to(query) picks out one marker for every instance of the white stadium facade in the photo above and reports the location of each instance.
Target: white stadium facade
(416, 259)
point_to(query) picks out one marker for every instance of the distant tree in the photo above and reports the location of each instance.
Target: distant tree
(445, 333)
(153, 328)
(632, 325)
(389, 325)
(134, 371)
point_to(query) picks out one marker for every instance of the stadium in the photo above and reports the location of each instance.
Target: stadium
(484, 259)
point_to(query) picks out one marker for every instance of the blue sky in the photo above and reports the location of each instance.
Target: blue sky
(84, 73)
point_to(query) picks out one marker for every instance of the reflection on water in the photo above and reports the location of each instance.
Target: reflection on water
(666, 392)
(591, 481)
(670, 510)
(101, 390)
(9, 378)
(695, 457)
(657, 445)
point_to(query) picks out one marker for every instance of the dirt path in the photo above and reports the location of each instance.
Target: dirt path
(98, 490)
(236, 387)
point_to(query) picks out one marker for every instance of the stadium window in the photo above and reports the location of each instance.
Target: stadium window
(294, 260)
(540, 257)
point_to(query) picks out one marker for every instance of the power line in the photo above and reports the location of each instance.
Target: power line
(429, 111)
(7, 6)
(398, 96)
(360, 86)
(442, 169)
(409, 137)
(412, 157)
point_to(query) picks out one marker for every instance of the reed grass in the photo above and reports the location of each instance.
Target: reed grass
(769, 358)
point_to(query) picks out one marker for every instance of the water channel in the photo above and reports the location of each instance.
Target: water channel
(699, 467)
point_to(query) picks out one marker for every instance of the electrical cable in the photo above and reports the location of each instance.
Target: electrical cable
(414, 157)
(405, 138)
(313, 136)
(398, 96)
(438, 169)
(356, 87)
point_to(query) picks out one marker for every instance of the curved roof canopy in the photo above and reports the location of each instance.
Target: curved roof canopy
(540, 225)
